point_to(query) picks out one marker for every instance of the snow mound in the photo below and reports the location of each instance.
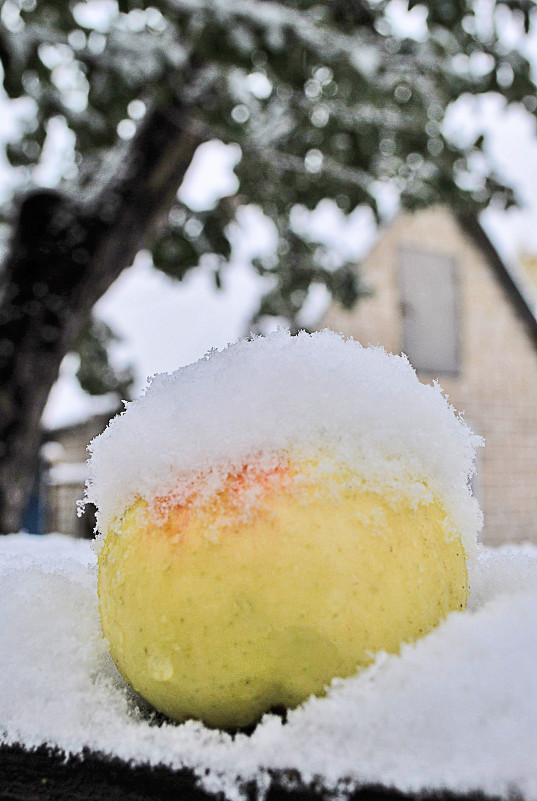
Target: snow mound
(314, 397)
(456, 711)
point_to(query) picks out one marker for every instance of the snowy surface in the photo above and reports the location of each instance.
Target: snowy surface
(313, 398)
(456, 710)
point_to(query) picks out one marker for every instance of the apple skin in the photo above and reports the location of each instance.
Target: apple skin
(230, 607)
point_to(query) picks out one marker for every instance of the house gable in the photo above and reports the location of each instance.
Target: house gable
(496, 383)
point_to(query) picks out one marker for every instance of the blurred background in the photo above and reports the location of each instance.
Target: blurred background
(177, 174)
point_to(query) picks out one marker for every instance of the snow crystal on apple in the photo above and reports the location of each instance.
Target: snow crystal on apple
(313, 397)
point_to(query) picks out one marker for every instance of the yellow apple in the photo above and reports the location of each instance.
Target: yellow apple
(223, 607)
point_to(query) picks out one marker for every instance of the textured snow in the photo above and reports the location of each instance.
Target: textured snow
(313, 397)
(456, 710)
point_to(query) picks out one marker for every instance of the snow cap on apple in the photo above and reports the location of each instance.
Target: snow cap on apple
(271, 517)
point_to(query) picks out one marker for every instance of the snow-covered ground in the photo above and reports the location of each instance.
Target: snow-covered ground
(456, 710)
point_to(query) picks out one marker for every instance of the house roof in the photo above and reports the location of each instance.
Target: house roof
(473, 228)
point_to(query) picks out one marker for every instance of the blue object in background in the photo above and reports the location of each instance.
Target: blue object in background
(33, 520)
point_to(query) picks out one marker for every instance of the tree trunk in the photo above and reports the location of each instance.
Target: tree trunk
(64, 255)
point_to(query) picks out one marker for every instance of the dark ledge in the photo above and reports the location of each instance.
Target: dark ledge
(46, 774)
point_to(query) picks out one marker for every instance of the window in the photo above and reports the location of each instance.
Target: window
(430, 306)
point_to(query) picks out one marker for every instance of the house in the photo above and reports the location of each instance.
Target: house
(441, 294)
(63, 477)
